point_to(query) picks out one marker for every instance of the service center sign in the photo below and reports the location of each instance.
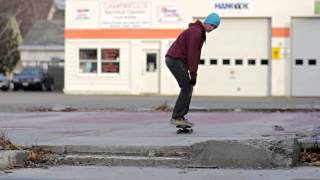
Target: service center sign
(82, 15)
(125, 15)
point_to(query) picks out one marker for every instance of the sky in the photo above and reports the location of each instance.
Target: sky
(60, 3)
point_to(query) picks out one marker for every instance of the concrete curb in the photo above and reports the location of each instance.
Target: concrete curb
(12, 158)
(149, 151)
(255, 153)
(310, 142)
(262, 109)
(106, 160)
(152, 156)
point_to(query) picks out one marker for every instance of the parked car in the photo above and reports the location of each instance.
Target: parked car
(33, 78)
(4, 83)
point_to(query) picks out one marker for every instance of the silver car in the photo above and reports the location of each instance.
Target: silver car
(4, 83)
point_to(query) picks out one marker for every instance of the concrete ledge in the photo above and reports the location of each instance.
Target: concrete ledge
(254, 153)
(102, 160)
(310, 142)
(52, 148)
(159, 151)
(11, 159)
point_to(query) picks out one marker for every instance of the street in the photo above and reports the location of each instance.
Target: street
(22, 101)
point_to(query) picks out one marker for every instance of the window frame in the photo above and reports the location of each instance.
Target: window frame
(99, 62)
(87, 60)
(117, 60)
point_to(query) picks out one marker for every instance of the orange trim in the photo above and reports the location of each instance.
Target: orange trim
(141, 33)
(121, 33)
(280, 32)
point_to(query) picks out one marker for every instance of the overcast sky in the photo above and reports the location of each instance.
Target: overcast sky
(60, 4)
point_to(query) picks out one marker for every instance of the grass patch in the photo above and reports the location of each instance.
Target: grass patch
(5, 143)
(164, 107)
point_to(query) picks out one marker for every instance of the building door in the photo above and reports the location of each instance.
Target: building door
(150, 72)
(236, 59)
(305, 57)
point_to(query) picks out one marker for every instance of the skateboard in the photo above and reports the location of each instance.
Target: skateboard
(184, 129)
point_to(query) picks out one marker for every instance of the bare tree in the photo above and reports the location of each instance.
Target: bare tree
(9, 54)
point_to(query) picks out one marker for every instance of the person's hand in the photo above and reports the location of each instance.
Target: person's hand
(193, 82)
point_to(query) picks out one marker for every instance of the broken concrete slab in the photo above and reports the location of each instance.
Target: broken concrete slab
(258, 153)
(12, 158)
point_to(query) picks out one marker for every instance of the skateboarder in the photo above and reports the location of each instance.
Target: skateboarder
(183, 58)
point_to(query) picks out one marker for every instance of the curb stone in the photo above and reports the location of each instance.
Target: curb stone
(254, 153)
(12, 158)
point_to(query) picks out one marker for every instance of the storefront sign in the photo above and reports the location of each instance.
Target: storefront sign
(126, 15)
(317, 7)
(83, 14)
(169, 14)
(231, 5)
(234, 6)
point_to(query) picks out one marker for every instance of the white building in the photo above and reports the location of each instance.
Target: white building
(262, 47)
(43, 44)
(44, 41)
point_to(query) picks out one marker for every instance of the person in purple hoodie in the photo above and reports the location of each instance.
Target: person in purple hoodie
(183, 58)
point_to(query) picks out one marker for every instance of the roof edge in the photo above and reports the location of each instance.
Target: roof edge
(50, 47)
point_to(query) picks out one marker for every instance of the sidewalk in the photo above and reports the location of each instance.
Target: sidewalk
(148, 128)
(220, 139)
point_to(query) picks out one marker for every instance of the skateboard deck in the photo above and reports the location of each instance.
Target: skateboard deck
(184, 129)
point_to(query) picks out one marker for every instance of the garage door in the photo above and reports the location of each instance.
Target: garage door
(236, 59)
(305, 57)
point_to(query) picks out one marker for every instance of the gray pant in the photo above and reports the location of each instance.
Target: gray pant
(180, 71)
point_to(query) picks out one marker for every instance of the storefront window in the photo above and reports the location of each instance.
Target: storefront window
(110, 61)
(151, 62)
(88, 59)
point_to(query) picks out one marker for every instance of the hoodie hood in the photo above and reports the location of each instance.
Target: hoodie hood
(198, 24)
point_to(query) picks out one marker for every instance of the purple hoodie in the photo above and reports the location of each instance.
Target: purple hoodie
(187, 47)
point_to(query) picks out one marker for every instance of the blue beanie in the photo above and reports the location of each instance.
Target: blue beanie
(213, 18)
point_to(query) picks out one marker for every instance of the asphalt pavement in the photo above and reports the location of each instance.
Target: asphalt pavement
(22, 101)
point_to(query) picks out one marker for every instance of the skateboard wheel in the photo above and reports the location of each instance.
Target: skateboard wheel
(185, 131)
